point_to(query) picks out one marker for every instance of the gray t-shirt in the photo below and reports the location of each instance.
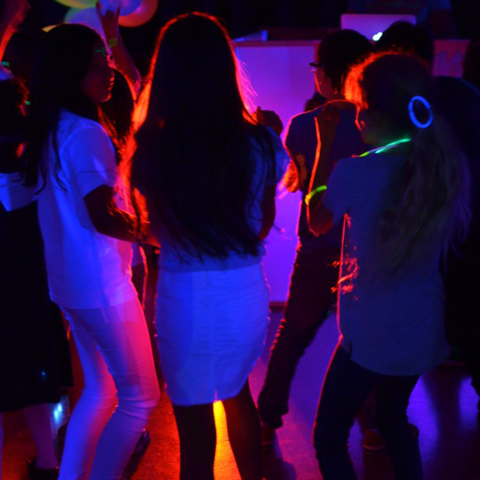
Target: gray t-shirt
(390, 324)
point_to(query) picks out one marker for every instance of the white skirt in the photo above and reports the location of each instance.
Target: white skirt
(211, 330)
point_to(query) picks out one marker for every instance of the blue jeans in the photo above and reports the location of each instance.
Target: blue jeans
(345, 388)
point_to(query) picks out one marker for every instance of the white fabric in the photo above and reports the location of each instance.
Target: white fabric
(85, 268)
(211, 329)
(13, 193)
(116, 356)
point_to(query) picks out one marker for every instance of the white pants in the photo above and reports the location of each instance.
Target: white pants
(116, 356)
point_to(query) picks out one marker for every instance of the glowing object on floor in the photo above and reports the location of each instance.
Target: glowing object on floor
(58, 412)
(377, 36)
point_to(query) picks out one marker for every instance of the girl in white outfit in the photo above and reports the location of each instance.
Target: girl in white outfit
(88, 239)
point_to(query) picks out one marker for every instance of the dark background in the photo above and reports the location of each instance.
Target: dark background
(288, 19)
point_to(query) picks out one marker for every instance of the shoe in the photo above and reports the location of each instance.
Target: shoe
(136, 457)
(35, 473)
(373, 441)
(268, 437)
(142, 444)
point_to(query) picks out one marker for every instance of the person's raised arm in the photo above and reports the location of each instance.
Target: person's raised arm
(123, 60)
(12, 15)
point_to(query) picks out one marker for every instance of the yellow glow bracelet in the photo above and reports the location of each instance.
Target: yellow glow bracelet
(319, 189)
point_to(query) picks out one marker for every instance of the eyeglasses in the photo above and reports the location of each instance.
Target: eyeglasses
(314, 66)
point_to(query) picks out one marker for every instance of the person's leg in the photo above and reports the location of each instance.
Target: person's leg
(393, 394)
(345, 388)
(1, 443)
(311, 295)
(117, 337)
(125, 346)
(198, 438)
(243, 426)
(38, 420)
(93, 408)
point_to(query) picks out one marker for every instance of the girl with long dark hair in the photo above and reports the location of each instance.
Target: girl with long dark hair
(208, 171)
(72, 161)
(402, 204)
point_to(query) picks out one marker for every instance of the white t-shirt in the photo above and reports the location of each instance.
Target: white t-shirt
(86, 269)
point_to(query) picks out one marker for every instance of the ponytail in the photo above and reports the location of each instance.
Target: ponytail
(433, 204)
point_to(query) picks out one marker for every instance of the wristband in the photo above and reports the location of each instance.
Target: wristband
(113, 42)
(318, 190)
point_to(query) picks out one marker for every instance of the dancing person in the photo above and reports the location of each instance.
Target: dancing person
(459, 101)
(402, 205)
(34, 357)
(471, 63)
(34, 360)
(209, 172)
(87, 239)
(315, 271)
(404, 37)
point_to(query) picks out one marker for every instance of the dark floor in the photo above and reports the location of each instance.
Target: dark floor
(444, 406)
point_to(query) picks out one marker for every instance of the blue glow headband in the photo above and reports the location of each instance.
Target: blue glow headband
(413, 116)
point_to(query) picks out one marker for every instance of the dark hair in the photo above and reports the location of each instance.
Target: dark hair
(117, 116)
(66, 53)
(340, 50)
(433, 202)
(13, 96)
(404, 37)
(22, 51)
(471, 63)
(195, 161)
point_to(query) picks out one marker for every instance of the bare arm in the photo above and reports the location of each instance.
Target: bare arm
(123, 60)
(268, 210)
(318, 216)
(107, 218)
(13, 14)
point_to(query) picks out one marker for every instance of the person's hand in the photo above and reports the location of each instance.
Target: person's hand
(14, 12)
(109, 20)
(270, 119)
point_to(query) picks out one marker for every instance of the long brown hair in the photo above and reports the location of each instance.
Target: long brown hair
(195, 162)
(432, 207)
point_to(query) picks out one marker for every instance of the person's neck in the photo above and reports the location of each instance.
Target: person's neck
(335, 96)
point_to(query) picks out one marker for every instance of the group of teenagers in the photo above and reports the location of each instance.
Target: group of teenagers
(388, 204)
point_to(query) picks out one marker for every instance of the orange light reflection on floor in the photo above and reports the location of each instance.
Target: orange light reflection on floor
(225, 466)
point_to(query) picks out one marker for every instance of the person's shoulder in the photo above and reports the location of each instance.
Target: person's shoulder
(305, 118)
(73, 128)
(73, 123)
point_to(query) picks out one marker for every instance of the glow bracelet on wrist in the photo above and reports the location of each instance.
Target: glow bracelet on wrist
(317, 190)
(113, 42)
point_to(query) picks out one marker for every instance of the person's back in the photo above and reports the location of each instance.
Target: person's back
(315, 269)
(402, 204)
(381, 312)
(208, 171)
